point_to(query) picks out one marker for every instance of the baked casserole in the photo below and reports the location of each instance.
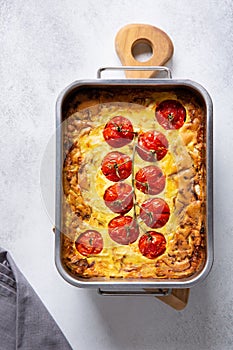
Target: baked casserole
(134, 184)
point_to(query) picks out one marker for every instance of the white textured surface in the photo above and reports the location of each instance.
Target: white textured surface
(45, 45)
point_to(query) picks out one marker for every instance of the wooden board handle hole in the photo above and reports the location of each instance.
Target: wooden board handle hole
(142, 50)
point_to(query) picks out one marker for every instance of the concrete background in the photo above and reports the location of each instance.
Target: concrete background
(44, 46)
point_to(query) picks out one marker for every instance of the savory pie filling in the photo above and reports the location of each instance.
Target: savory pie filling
(134, 182)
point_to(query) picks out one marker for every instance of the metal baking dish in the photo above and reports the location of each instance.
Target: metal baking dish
(163, 286)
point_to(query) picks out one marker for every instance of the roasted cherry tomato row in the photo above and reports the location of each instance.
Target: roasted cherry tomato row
(123, 230)
(154, 212)
(152, 146)
(117, 166)
(118, 132)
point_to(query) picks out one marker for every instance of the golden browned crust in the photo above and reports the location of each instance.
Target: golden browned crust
(185, 192)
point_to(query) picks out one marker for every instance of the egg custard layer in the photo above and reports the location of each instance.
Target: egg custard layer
(84, 186)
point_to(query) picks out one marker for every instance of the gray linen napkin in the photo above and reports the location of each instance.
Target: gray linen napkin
(25, 323)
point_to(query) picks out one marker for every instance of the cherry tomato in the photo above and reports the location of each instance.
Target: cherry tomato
(150, 180)
(89, 243)
(155, 212)
(152, 146)
(116, 166)
(152, 244)
(170, 114)
(119, 198)
(118, 132)
(123, 230)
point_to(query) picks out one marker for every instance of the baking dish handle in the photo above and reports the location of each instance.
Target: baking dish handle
(137, 68)
(144, 292)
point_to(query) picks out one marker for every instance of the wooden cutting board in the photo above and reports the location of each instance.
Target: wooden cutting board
(162, 51)
(133, 34)
(178, 299)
